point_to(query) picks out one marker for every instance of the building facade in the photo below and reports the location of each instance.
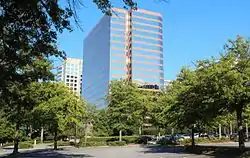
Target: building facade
(128, 45)
(70, 73)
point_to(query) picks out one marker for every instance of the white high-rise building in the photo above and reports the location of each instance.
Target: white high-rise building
(70, 73)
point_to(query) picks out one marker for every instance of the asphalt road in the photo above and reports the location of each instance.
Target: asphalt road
(116, 152)
(110, 152)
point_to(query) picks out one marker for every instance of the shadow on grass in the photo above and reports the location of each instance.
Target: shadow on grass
(47, 153)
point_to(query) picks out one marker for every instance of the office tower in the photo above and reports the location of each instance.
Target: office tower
(167, 83)
(70, 73)
(126, 45)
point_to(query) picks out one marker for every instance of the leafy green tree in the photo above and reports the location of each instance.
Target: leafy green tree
(216, 87)
(100, 123)
(124, 105)
(6, 128)
(62, 109)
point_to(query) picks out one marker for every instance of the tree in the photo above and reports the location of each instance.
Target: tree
(100, 123)
(231, 75)
(215, 87)
(28, 35)
(62, 109)
(6, 128)
(123, 105)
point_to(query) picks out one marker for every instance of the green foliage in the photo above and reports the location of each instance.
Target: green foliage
(61, 108)
(25, 145)
(100, 122)
(92, 143)
(117, 143)
(6, 128)
(125, 106)
(214, 90)
(205, 140)
(128, 139)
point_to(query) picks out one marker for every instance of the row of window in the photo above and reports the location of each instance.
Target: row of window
(137, 19)
(137, 37)
(137, 13)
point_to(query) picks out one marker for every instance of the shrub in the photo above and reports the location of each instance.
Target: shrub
(117, 143)
(92, 143)
(130, 139)
(205, 140)
(8, 144)
(63, 143)
(25, 145)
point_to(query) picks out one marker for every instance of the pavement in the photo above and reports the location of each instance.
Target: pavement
(106, 152)
(135, 151)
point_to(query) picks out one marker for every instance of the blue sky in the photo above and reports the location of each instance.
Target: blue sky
(193, 29)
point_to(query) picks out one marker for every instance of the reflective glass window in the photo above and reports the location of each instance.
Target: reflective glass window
(118, 32)
(148, 66)
(145, 72)
(153, 41)
(120, 65)
(116, 57)
(118, 19)
(117, 52)
(152, 60)
(145, 79)
(145, 27)
(147, 21)
(147, 15)
(145, 33)
(117, 45)
(116, 38)
(117, 71)
(147, 46)
(143, 52)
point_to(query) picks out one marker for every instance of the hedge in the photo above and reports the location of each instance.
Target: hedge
(25, 145)
(21, 145)
(92, 143)
(127, 139)
(117, 143)
(205, 140)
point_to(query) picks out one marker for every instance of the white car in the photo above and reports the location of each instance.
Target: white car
(185, 136)
(72, 140)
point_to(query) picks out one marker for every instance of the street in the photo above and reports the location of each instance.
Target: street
(111, 152)
(136, 151)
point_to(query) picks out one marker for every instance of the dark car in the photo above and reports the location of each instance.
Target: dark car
(144, 139)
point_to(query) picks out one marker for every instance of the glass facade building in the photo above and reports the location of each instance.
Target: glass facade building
(105, 52)
(70, 73)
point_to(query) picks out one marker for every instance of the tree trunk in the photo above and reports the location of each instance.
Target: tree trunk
(120, 135)
(16, 140)
(220, 131)
(192, 136)
(231, 129)
(139, 131)
(75, 135)
(247, 132)
(42, 131)
(55, 140)
(240, 129)
(31, 130)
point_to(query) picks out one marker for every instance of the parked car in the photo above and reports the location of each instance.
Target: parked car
(153, 141)
(72, 140)
(144, 139)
